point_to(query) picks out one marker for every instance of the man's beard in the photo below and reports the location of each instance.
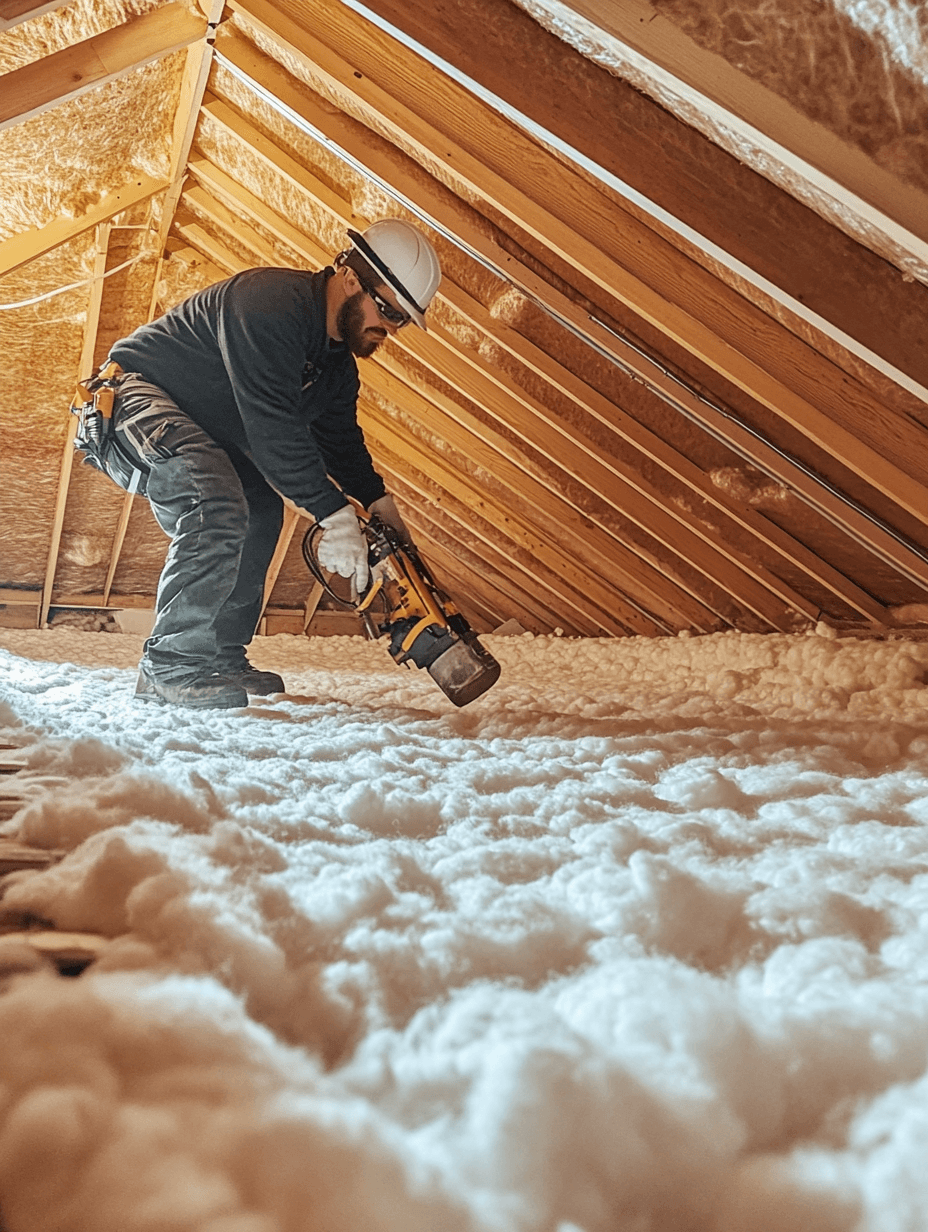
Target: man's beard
(362, 341)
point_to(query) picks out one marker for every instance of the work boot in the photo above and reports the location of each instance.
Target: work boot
(199, 693)
(260, 683)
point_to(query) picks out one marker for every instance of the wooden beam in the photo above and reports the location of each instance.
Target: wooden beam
(85, 365)
(369, 151)
(242, 203)
(20, 249)
(119, 538)
(14, 12)
(292, 517)
(643, 579)
(482, 573)
(193, 86)
(613, 482)
(731, 100)
(515, 576)
(681, 470)
(685, 180)
(65, 74)
(711, 322)
(530, 519)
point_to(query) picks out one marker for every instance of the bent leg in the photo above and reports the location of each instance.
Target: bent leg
(238, 618)
(197, 499)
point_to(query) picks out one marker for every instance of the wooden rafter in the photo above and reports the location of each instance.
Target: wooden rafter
(712, 322)
(20, 249)
(367, 150)
(91, 326)
(14, 12)
(65, 74)
(639, 580)
(685, 181)
(526, 584)
(244, 205)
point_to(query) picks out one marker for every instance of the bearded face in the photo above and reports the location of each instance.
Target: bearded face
(362, 340)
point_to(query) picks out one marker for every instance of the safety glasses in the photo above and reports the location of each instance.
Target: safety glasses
(395, 316)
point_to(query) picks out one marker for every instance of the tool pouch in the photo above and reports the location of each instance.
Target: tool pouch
(96, 436)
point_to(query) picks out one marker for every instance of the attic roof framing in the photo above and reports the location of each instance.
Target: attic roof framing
(516, 458)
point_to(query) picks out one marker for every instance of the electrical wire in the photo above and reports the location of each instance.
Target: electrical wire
(84, 282)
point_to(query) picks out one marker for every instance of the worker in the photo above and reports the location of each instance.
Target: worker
(243, 393)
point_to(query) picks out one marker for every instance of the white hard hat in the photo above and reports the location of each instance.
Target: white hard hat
(404, 259)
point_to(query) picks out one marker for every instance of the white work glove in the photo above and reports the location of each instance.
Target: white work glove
(343, 549)
(386, 510)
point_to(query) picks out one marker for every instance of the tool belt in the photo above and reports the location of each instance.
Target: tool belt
(96, 438)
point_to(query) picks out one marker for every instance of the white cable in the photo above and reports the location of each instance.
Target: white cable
(74, 285)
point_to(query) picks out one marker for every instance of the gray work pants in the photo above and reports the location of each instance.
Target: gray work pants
(224, 520)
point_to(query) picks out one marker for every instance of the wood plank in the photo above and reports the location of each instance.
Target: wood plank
(620, 486)
(406, 474)
(646, 581)
(84, 66)
(592, 402)
(676, 465)
(661, 165)
(739, 342)
(368, 151)
(85, 365)
(292, 518)
(14, 12)
(20, 249)
(15, 856)
(515, 521)
(119, 538)
(193, 86)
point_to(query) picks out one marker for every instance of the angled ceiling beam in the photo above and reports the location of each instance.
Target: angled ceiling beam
(524, 595)
(619, 485)
(531, 518)
(91, 327)
(652, 582)
(643, 580)
(417, 466)
(678, 467)
(20, 249)
(619, 489)
(14, 12)
(673, 294)
(687, 181)
(65, 74)
(243, 204)
(367, 152)
(193, 86)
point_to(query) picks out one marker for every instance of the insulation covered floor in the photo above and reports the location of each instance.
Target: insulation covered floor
(635, 943)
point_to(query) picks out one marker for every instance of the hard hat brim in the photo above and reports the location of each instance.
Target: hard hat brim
(417, 314)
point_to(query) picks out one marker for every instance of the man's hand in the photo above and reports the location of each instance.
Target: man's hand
(343, 549)
(386, 510)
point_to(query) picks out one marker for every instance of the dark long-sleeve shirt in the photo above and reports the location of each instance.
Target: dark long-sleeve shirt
(250, 361)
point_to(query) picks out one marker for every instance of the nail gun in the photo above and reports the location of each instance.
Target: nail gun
(404, 603)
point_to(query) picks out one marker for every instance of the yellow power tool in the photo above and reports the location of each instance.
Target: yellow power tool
(404, 603)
